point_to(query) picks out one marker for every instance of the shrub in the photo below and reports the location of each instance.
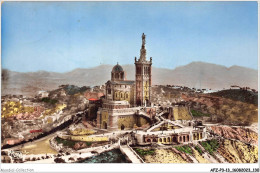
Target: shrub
(185, 149)
(59, 160)
(70, 143)
(198, 149)
(144, 152)
(65, 142)
(196, 113)
(48, 100)
(210, 146)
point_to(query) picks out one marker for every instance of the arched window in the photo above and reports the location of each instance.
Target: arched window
(126, 96)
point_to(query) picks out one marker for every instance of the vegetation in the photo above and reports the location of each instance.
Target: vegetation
(11, 108)
(238, 95)
(64, 142)
(72, 89)
(68, 143)
(210, 146)
(59, 160)
(49, 100)
(196, 113)
(198, 149)
(144, 152)
(57, 108)
(185, 149)
(235, 112)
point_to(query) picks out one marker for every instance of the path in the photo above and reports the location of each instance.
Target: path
(130, 154)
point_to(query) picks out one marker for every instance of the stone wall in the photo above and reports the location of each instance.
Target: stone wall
(126, 122)
(181, 113)
(104, 119)
(129, 122)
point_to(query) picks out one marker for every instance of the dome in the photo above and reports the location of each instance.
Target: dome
(117, 73)
(117, 68)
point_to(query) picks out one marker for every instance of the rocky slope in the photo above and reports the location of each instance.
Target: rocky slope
(242, 134)
(227, 151)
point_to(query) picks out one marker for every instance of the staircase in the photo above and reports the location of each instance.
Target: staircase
(131, 154)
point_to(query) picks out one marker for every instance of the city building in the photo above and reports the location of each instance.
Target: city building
(124, 98)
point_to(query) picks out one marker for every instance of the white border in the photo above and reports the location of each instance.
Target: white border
(130, 167)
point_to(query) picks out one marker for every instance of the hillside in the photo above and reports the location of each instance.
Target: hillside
(196, 74)
(238, 95)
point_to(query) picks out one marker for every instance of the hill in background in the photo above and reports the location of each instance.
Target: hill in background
(195, 74)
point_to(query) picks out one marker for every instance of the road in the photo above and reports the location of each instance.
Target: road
(63, 126)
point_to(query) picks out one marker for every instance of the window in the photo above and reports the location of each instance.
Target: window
(126, 96)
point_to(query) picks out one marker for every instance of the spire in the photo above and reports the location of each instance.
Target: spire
(143, 50)
(143, 41)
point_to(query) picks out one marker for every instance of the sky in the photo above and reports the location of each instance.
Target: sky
(62, 36)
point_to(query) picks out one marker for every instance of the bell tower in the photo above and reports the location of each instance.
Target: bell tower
(143, 77)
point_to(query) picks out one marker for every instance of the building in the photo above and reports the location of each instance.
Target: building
(127, 105)
(143, 77)
(119, 109)
(138, 92)
(171, 133)
(91, 96)
(118, 88)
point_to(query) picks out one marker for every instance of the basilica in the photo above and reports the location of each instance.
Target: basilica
(124, 98)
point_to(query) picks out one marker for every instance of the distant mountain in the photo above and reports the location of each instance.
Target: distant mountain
(195, 74)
